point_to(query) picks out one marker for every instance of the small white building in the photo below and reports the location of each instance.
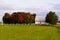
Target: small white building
(40, 22)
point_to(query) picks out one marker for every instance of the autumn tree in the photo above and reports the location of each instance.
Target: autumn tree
(27, 17)
(21, 18)
(13, 18)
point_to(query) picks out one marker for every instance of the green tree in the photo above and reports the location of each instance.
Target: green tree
(34, 15)
(6, 18)
(51, 18)
(27, 18)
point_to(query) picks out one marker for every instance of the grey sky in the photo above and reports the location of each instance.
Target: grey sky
(40, 7)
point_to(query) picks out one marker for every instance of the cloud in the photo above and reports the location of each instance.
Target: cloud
(57, 7)
(5, 8)
(40, 7)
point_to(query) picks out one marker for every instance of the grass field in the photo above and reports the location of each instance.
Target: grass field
(28, 32)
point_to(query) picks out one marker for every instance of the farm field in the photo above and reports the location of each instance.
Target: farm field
(28, 32)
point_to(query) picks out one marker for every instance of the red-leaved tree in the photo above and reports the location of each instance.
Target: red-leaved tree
(21, 18)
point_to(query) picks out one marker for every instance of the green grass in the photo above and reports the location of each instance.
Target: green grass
(28, 32)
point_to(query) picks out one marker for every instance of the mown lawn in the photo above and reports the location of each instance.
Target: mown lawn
(28, 32)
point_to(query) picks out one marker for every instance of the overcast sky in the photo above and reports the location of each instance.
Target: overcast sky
(40, 7)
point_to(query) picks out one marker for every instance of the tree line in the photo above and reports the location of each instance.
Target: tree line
(23, 17)
(19, 17)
